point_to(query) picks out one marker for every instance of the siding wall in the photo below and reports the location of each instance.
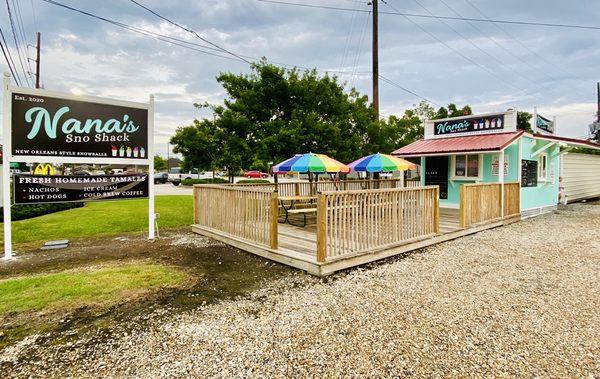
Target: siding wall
(581, 176)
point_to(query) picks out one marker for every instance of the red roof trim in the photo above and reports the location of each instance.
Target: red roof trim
(454, 145)
(567, 139)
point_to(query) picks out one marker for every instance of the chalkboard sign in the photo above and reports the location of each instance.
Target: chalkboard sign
(529, 173)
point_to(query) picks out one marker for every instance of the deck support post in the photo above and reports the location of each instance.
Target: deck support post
(321, 227)
(501, 179)
(463, 206)
(436, 211)
(273, 213)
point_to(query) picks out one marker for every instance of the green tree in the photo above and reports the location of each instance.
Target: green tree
(524, 121)
(160, 164)
(273, 113)
(452, 111)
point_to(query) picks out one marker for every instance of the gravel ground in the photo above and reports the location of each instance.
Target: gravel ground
(520, 300)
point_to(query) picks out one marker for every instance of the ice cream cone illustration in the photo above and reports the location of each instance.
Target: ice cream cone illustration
(136, 152)
(122, 151)
(114, 151)
(128, 151)
(142, 152)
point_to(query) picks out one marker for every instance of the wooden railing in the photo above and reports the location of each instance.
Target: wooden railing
(355, 222)
(304, 188)
(481, 203)
(247, 213)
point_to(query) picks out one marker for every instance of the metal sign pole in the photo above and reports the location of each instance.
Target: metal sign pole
(6, 158)
(151, 169)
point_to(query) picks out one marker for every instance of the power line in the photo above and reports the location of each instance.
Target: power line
(513, 22)
(9, 60)
(158, 36)
(14, 33)
(175, 41)
(6, 57)
(189, 31)
(406, 90)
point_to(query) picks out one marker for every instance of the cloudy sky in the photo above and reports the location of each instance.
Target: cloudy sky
(491, 67)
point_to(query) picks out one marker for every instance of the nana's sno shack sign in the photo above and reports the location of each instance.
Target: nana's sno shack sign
(57, 128)
(488, 123)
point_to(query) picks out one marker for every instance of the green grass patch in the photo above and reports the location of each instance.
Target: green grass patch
(83, 286)
(102, 218)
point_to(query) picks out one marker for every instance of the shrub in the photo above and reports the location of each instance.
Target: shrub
(25, 211)
(254, 181)
(191, 182)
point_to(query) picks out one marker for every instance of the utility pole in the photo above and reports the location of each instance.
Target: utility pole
(375, 61)
(37, 61)
(598, 98)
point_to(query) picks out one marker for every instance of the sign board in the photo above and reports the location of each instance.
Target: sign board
(529, 173)
(35, 189)
(66, 127)
(544, 124)
(496, 164)
(54, 127)
(469, 124)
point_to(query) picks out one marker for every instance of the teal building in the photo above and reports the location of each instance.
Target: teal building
(463, 150)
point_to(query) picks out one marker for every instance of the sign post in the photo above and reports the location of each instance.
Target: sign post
(59, 128)
(6, 170)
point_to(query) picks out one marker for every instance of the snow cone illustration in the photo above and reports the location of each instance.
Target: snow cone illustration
(114, 151)
(142, 152)
(499, 123)
(481, 124)
(136, 152)
(487, 124)
(122, 151)
(493, 123)
(128, 151)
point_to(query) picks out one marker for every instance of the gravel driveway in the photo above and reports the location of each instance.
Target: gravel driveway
(521, 300)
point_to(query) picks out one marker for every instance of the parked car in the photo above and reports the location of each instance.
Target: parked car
(81, 173)
(161, 177)
(255, 175)
(176, 175)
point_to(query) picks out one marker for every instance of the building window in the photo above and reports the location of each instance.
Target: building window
(466, 166)
(543, 167)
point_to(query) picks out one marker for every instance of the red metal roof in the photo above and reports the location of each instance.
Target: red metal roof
(567, 140)
(479, 143)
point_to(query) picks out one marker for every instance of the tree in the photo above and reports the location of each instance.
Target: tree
(452, 111)
(273, 113)
(524, 121)
(160, 164)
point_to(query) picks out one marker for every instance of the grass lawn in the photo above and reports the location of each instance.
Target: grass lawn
(82, 286)
(108, 217)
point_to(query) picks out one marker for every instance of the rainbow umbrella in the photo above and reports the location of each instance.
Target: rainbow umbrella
(311, 163)
(381, 163)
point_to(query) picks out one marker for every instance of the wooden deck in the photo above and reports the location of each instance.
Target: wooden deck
(349, 228)
(298, 245)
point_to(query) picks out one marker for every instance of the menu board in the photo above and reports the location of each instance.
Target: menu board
(529, 171)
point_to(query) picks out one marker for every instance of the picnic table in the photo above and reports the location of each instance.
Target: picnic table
(292, 202)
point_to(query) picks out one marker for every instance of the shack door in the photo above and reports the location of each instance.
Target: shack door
(436, 174)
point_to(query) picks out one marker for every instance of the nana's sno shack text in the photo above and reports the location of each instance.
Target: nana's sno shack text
(65, 127)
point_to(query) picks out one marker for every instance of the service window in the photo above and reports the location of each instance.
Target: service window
(466, 167)
(543, 167)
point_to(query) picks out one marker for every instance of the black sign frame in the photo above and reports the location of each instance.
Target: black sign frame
(48, 125)
(469, 124)
(69, 188)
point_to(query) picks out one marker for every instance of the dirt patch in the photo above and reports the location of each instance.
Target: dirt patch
(216, 272)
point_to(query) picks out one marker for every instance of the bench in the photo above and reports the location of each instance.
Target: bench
(303, 212)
